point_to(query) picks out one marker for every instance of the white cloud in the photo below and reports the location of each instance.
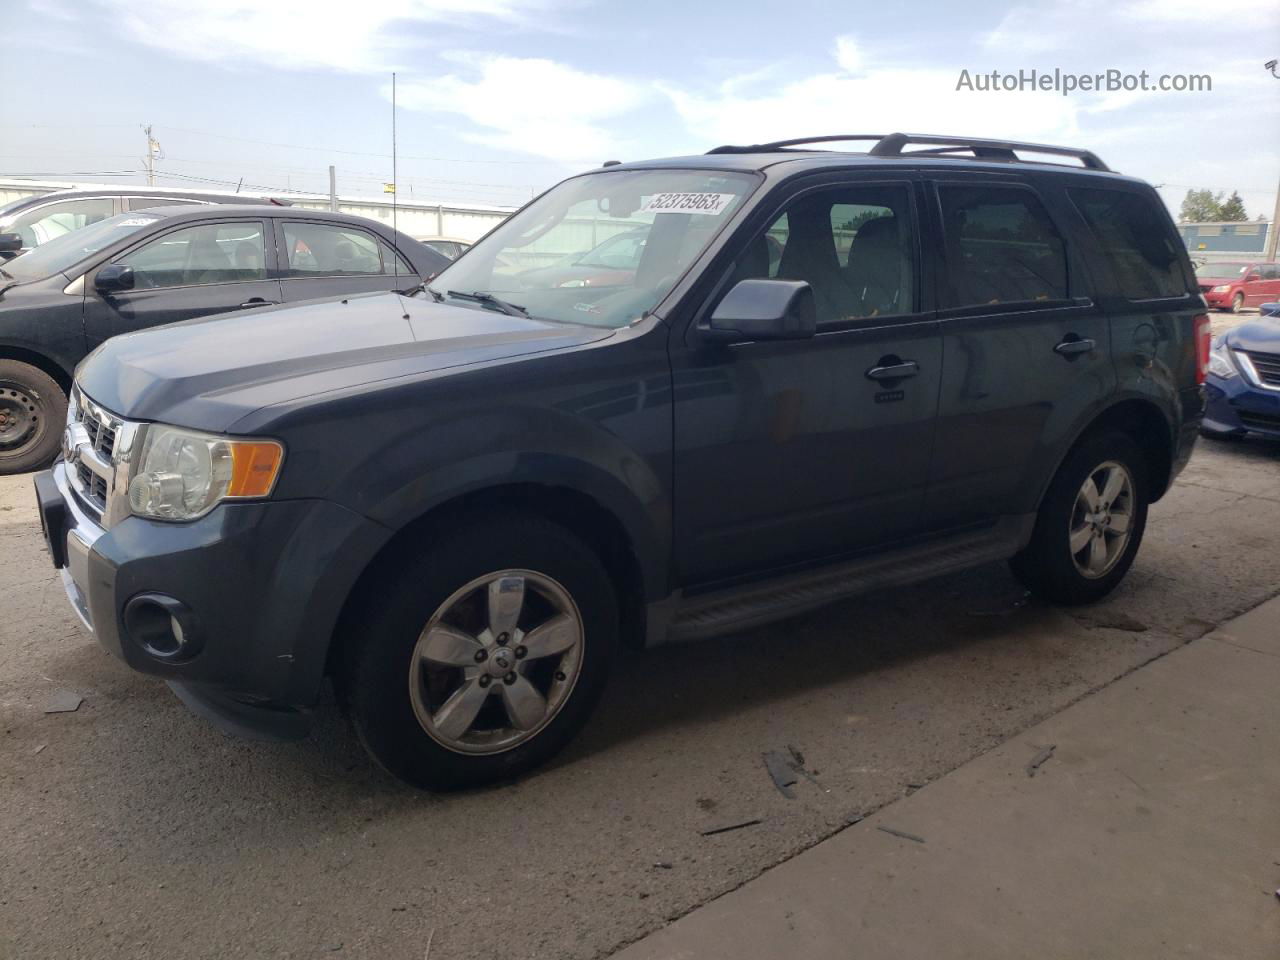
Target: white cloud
(848, 56)
(530, 105)
(300, 34)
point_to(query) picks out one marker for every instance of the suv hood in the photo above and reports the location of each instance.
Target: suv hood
(210, 372)
(1261, 335)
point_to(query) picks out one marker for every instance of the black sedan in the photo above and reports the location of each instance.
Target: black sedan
(135, 270)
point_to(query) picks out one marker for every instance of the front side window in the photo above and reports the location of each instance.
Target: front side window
(327, 250)
(1001, 247)
(1136, 240)
(206, 253)
(599, 249)
(64, 254)
(47, 223)
(852, 245)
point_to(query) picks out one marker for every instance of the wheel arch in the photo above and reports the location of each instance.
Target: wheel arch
(577, 511)
(1149, 426)
(61, 376)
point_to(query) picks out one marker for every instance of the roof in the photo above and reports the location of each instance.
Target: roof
(123, 191)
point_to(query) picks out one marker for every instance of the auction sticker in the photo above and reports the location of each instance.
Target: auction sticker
(706, 203)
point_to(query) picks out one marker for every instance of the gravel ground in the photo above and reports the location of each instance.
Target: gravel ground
(133, 829)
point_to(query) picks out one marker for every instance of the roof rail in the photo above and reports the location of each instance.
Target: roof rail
(891, 145)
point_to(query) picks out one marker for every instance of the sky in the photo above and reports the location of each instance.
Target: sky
(498, 99)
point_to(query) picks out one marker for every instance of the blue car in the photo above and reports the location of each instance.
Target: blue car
(1243, 385)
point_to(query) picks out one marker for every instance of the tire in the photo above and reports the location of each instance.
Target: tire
(1237, 303)
(33, 411)
(1047, 565)
(560, 576)
(1223, 436)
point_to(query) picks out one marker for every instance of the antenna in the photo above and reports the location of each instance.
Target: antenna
(395, 223)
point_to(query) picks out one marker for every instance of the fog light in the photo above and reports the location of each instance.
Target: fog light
(161, 626)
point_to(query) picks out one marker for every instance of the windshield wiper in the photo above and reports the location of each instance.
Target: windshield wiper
(489, 300)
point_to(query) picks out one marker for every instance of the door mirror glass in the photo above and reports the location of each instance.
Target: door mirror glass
(10, 243)
(113, 278)
(764, 310)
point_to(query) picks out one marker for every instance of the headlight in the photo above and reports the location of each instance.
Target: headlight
(1220, 364)
(183, 474)
(1222, 288)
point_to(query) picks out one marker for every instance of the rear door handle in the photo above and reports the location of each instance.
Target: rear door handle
(1073, 346)
(894, 371)
(258, 302)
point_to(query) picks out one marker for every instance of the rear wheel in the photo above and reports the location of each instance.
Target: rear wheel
(484, 656)
(1090, 523)
(32, 411)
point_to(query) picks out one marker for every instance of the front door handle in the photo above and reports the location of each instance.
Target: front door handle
(258, 302)
(1073, 346)
(891, 368)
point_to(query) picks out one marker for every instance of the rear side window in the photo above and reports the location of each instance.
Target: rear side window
(327, 250)
(1001, 247)
(1136, 241)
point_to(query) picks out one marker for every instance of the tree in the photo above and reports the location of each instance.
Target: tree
(1201, 206)
(1233, 209)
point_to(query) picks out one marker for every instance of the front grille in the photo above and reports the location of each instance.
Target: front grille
(1259, 421)
(1267, 365)
(92, 487)
(101, 429)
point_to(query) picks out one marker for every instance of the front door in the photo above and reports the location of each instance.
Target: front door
(793, 451)
(188, 272)
(1025, 348)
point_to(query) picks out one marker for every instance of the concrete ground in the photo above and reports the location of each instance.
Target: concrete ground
(1147, 829)
(133, 829)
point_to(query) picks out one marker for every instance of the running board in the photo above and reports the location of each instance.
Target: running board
(742, 607)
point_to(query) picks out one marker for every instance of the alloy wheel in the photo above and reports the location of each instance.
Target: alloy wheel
(496, 662)
(1102, 519)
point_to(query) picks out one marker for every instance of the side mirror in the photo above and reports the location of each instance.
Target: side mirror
(1253, 278)
(10, 243)
(764, 310)
(113, 277)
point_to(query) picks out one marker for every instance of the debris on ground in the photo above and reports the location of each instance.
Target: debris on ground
(63, 701)
(1043, 755)
(901, 833)
(726, 827)
(1112, 620)
(1006, 608)
(662, 865)
(39, 748)
(782, 772)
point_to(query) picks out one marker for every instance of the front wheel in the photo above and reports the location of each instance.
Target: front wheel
(1090, 523)
(33, 409)
(482, 657)
(1237, 303)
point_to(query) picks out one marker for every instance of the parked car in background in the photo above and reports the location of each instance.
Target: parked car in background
(458, 504)
(1243, 386)
(1237, 284)
(450, 247)
(31, 221)
(158, 265)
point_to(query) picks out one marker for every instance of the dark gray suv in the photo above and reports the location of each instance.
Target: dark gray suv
(828, 373)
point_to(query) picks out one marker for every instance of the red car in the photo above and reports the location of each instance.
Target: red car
(1238, 284)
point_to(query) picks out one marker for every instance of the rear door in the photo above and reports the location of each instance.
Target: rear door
(794, 451)
(1026, 346)
(189, 271)
(321, 259)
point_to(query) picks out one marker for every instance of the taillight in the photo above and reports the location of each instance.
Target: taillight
(1203, 340)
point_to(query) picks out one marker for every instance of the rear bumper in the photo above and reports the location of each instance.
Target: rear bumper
(261, 586)
(1237, 407)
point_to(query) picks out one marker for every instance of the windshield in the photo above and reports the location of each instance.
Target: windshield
(599, 249)
(64, 252)
(1221, 269)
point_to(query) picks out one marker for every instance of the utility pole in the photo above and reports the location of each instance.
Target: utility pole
(333, 189)
(154, 152)
(1271, 231)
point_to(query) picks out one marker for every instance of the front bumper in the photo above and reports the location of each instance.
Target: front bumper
(265, 582)
(1219, 301)
(1237, 406)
